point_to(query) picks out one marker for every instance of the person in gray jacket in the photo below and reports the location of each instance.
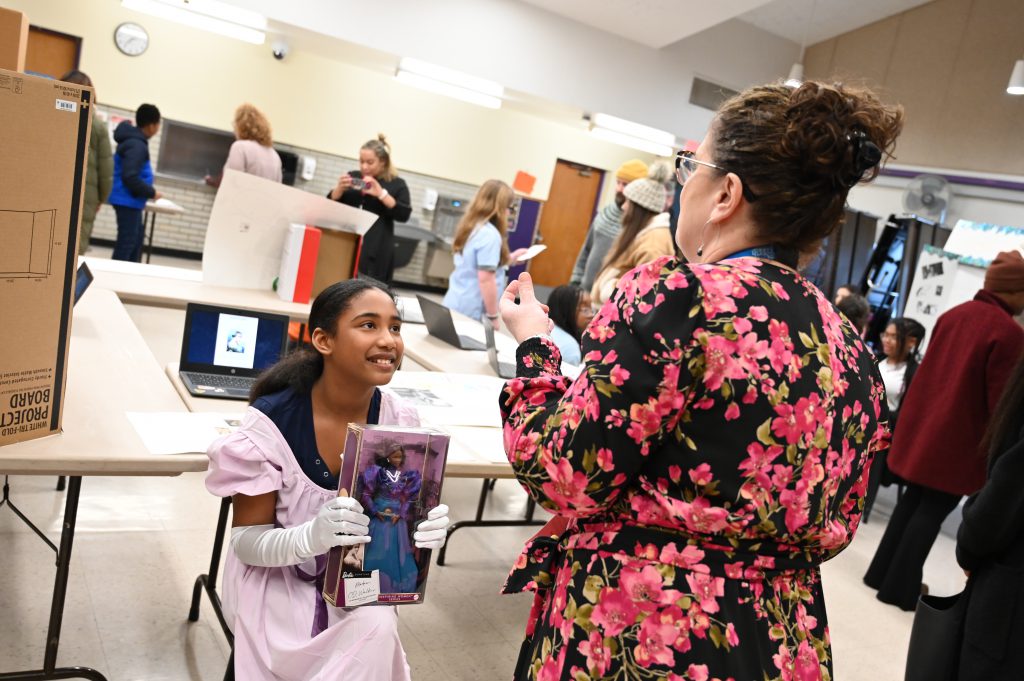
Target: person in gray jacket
(99, 176)
(605, 227)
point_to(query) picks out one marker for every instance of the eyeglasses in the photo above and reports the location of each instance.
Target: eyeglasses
(686, 165)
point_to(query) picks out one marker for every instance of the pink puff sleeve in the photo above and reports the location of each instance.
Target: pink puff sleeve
(243, 462)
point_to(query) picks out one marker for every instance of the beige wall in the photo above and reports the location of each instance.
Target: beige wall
(313, 101)
(948, 63)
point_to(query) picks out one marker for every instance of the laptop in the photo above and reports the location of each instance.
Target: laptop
(438, 319)
(409, 310)
(82, 281)
(502, 369)
(224, 349)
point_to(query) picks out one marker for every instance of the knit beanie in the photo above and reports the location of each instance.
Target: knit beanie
(1006, 273)
(649, 192)
(631, 170)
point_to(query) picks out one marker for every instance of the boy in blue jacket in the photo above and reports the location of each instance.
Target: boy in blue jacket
(133, 180)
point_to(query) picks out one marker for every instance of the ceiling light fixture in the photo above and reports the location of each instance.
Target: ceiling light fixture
(444, 81)
(1016, 84)
(206, 15)
(633, 135)
(796, 72)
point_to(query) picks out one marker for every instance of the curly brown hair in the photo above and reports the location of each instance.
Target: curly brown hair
(251, 124)
(800, 151)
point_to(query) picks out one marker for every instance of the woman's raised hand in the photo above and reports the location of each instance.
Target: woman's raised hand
(527, 318)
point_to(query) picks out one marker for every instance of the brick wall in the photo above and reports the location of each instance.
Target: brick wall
(188, 232)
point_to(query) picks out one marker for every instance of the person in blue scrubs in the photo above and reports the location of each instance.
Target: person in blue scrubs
(481, 254)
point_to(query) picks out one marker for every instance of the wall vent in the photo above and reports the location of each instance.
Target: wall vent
(709, 95)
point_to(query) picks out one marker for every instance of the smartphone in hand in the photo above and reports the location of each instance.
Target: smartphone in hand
(357, 180)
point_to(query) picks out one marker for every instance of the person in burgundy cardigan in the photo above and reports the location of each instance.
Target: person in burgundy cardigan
(936, 449)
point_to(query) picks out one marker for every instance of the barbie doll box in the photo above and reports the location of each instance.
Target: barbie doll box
(395, 474)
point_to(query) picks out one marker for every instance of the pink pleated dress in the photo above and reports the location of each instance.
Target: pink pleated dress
(283, 629)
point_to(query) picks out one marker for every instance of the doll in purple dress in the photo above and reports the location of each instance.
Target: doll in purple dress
(389, 494)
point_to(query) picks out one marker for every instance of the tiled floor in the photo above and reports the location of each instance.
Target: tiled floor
(142, 541)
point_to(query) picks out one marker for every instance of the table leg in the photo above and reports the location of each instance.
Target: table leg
(478, 521)
(149, 241)
(208, 582)
(60, 588)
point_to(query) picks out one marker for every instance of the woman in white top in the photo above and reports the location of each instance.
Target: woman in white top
(252, 151)
(900, 342)
(481, 254)
(900, 356)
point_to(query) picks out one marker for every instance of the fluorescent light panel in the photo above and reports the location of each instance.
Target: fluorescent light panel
(631, 129)
(215, 17)
(632, 142)
(447, 89)
(455, 78)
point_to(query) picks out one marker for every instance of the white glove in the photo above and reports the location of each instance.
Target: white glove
(431, 533)
(340, 522)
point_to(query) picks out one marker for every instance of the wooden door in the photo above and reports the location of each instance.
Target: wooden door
(51, 53)
(565, 220)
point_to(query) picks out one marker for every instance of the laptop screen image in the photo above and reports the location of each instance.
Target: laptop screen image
(224, 340)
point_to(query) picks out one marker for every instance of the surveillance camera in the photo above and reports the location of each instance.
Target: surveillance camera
(280, 49)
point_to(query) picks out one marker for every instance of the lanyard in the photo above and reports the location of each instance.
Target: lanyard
(767, 252)
(786, 256)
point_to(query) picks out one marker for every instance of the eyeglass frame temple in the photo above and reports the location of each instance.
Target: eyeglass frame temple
(681, 156)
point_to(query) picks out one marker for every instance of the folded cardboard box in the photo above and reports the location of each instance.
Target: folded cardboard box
(44, 135)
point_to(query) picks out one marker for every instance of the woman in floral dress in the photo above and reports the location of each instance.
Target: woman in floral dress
(715, 448)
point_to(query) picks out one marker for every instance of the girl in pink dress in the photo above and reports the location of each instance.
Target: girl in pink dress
(281, 470)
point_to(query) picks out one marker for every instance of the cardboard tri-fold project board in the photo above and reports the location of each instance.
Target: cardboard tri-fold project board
(44, 143)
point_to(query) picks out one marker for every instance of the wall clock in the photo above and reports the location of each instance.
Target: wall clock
(131, 39)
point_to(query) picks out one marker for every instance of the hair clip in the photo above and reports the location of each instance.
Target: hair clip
(866, 155)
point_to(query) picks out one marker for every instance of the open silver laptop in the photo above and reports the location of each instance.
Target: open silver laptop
(502, 369)
(440, 324)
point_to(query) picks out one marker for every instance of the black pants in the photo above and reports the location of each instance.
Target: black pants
(896, 569)
(130, 233)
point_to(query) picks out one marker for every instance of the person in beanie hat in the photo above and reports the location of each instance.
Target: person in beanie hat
(605, 227)
(642, 238)
(937, 448)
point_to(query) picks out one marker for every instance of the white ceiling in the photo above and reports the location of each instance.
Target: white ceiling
(654, 23)
(658, 23)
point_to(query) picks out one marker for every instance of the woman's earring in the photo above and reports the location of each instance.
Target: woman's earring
(700, 248)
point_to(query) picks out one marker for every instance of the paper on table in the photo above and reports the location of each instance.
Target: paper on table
(181, 432)
(532, 252)
(485, 443)
(163, 202)
(451, 399)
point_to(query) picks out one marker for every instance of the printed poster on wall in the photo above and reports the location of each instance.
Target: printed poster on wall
(978, 243)
(932, 287)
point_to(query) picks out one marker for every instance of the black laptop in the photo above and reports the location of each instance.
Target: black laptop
(502, 369)
(440, 324)
(224, 349)
(82, 281)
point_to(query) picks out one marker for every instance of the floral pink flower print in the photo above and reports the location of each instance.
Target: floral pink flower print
(654, 643)
(643, 586)
(614, 612)
(599, 656)
(707, 590)
(567, 486)
(712, 452)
